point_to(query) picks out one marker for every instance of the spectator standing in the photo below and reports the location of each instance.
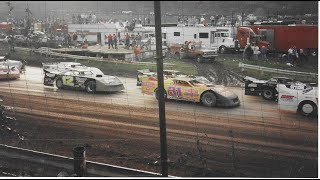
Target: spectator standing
(295, 56)
(264, 52)
(256, 51)
(290, 54)
(302, 56)
(248, 52)
(119, 35)
(212, 20)
(114, 39)
(110, 41)
(127, 43)
(134, 44)
(138, 39)
(137, 52)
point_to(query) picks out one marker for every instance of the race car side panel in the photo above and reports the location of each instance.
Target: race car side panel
(49, 78)
(253, 88)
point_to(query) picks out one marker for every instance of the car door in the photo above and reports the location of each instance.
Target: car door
(181, 90)
(68, 79)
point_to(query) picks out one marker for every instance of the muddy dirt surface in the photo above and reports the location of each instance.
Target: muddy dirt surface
(129, 137)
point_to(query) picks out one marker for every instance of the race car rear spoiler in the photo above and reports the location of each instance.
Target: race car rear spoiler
(142, 71)
(251, 79)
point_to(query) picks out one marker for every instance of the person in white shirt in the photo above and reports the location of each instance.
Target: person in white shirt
(256, 51)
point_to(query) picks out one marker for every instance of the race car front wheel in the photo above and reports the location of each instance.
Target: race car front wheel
(59, 83)
(307, 108)
(208, 99)
(91, 87)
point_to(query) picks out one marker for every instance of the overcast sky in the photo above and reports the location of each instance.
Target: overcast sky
(45, 8)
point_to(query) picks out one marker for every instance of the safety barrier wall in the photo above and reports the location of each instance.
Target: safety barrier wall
(45, 164)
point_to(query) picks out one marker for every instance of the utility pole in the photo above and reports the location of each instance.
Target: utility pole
(232, 24)
(242, 14)
(162, 117)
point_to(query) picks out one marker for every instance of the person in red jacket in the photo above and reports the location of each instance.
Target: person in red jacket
(110, 42)
(137, 52)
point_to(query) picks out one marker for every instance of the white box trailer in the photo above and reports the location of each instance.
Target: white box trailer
(95, 32)
(218, 37)
(149, 33)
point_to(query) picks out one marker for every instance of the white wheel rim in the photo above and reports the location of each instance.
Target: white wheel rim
(90, 87)
(268, 94)
(307, 108)
(59, 83)
(208, 99)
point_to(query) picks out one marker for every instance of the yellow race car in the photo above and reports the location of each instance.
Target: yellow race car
(192, 89)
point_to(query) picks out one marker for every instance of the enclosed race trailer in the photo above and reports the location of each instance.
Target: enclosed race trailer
(283, 37)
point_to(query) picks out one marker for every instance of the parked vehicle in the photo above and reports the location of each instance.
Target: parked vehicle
(194, 50)
(191, 89)
(8, 62)
(4, 39)
(224, 38)
(283, 37)
(83, 78)
(298, 97)
(266, 88)
(9, 72)
(20, 39)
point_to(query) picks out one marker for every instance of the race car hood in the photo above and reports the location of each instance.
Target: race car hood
(111, 80)
(222, 90)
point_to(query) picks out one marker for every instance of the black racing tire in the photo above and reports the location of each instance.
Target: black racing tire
(139, 83)
(307, 108)
(59, 83)
(157, 96)
(209, 99)
(222, 49)
(177, 55)
(199, 60)
(268, 94)
(91, 87)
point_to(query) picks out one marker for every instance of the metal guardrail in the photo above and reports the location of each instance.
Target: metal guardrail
(49, 52)
(280, 71)
(47, 164)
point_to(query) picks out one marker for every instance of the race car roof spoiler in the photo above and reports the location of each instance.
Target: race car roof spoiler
(248, 78)
(143, 71)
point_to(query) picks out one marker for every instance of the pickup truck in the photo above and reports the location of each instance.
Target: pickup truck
(194, 50)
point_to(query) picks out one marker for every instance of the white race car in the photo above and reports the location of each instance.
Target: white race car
(9, 72)
(8, 62)
(298, 97)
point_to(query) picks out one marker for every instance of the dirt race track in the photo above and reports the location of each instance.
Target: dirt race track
(253, 140)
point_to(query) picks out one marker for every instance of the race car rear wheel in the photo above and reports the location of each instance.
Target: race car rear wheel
(208, 99)
(307, 108)
(268, 94)
(59, 83)
(91, 87)
(157, 94)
